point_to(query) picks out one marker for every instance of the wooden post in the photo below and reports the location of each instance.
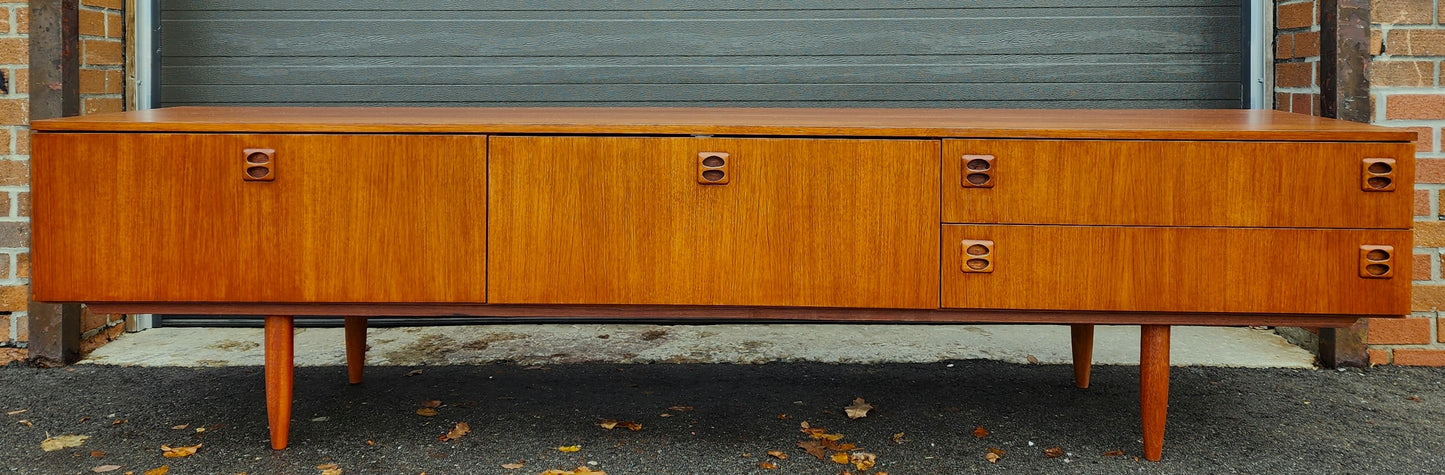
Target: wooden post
(1154, 387)
(54, 92)
(355, 348)
(280, 365)
(1082, 335)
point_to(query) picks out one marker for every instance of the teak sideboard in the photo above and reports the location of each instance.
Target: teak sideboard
(1078, 217)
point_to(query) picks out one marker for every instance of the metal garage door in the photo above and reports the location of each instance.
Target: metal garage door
(806, 53)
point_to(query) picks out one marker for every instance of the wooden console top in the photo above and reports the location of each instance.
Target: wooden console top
(1228, 124)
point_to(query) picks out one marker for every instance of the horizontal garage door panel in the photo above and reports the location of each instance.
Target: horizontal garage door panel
(819, 53)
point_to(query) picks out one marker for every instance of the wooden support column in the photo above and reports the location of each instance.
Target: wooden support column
(355, 348)
(1082, 335)
(1344, 94)
(280, 367)
(1154, 387)
(54, 92)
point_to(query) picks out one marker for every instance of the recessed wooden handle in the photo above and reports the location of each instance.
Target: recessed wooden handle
(712, 168)
(976, 256)
(258, 164)
(1377, 174)
(1377, 262)
(978, 171)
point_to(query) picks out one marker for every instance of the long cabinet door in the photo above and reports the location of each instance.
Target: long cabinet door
(714, 221)
(259, 218)
(1153, 269)
(1162, 183)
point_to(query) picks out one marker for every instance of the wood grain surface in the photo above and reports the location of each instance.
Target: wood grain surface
(1220, 124)
(1249, 270)
(1235, 184)
(611, 220)
(360, 218)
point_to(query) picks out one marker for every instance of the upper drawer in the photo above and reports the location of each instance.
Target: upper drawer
(1173, 183)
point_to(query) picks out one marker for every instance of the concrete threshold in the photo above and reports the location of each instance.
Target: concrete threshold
(532, 344)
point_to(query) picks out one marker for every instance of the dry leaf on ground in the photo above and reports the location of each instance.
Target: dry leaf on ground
(862, 460)
(1113, 453)
(980, 432)
(680, 408)
(1413, 398)
(898, 438)
(840, 457)
(514, 466)
(994, 454)
(118, 422)
(1053, 452)
(25, 423)
(97, 454)
(413, 372)
(426, 412)
(105, 468)
(432, 404)
(51, 444)
(778, 454)
(858, 409)
(161, 470)
(457, 432)
(579, 471)
(1031, 359)
(813, 448)
(180, 427)
(328, 466)
(178, 452)
(569, 448)
(331, 471)
(768, 466)
(21, 411)
(834, 445)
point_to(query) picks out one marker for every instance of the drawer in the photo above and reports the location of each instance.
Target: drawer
(325, 218)
(784, 222)
(1154, 269)
(1178, 183)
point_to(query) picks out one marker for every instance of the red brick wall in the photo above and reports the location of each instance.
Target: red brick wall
(1407, 43)
(102, 82)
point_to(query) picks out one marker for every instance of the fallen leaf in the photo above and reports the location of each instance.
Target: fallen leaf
(413, 372)
(1053, 452)
(331, 471)
(778, 454)
(782, 417)
(51, 444)
(83, 419)
(898, 438)
(680, 408)
(664, 415)
(1032, 359)
(105, 468)
(161, 470)
(834, 445)
(180, 427)
(432, 404)
(426, 412)
(840, 457)
(25, 423)
(633, 426)
(22, 411)
(178, 452)
(569, 448)
(328, 466)
(579, 471)
(992, 457)
(1413, 398)
(813, 448)
(858, 409)
(768, 466)
(119, 422)
(97, 454)
(980, 432)
(608, 424)
(514, 466)
(1113, 453)
(862, 460)
(457, 432)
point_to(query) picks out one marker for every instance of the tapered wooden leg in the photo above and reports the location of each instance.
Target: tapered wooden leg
(280, 363)
(355, 348)
(1083, 343)
(1154, 387)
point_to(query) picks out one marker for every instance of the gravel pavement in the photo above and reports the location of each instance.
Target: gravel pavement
(1222, 420)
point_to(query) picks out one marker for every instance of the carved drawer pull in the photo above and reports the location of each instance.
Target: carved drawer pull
(978, 171)
(1377, 262)
(258, 164)
(1377, 174)
(712, 168)
(977, 256)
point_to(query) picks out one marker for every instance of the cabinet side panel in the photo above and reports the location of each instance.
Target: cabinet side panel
(170, 217)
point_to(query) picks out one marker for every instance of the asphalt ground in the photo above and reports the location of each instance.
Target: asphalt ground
(1222, 420)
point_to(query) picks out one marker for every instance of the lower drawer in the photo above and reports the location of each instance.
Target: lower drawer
(1165, 269)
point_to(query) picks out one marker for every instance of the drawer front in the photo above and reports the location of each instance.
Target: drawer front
(311, 218)
(1088, 268)
(784, 222)
(1164, 183)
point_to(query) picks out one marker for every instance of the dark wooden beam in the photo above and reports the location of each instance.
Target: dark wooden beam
(1344, 51)
(54, 92)
(1344, 94)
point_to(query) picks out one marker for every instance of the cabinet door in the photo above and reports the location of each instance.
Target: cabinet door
(1161, 183)
(326, 218)
(632, 220)
(1253, 270)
